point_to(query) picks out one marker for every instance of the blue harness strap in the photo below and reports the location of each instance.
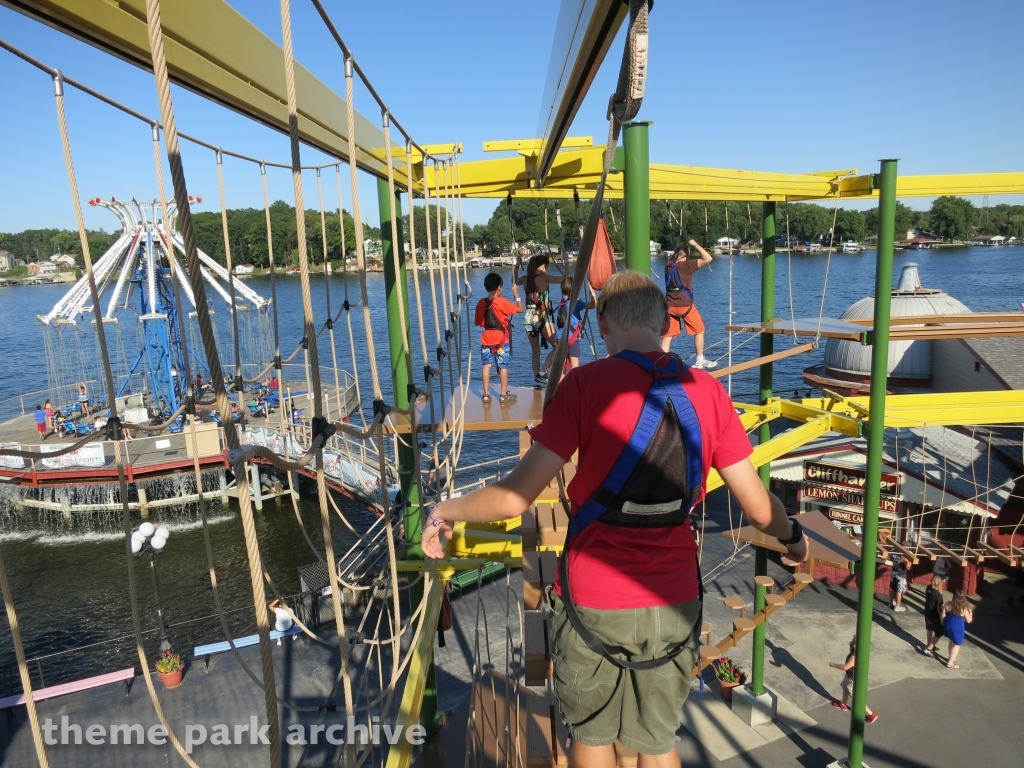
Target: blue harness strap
(666, 388)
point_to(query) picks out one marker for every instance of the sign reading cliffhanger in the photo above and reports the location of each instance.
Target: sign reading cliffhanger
(843, 476)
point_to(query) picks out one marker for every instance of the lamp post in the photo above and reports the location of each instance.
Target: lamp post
(150, 540)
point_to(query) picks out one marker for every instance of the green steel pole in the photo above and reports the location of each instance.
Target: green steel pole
(637, 191)
(396, 291)
(876, 437)
(765, 433)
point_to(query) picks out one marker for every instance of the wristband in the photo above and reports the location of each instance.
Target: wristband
(434, 521)
(796, 536)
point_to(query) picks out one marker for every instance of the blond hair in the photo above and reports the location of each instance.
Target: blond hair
(633, 300)
(936, 582)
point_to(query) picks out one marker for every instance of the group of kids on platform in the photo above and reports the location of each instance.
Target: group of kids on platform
(546, 321)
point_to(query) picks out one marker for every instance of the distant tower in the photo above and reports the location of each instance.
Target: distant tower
(984, 209)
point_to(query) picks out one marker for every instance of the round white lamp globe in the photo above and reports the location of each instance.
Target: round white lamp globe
(147, 529)
(157, 542)
(136, 545)
(163, 533)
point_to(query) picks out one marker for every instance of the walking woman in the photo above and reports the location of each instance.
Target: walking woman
(538, 318)
(933, 614)
(956, 616)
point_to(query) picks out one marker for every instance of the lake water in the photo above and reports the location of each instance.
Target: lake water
(70, 590)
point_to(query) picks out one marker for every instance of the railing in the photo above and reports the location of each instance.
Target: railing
(115, 653)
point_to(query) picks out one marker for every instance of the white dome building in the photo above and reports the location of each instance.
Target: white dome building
(848, 363)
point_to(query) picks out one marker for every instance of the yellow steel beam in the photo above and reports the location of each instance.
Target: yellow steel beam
(755, 415)
(400, 754)
(933, 409)
(215, 51)
(467, 542)
(779, 446)
(940, 184)
(534, 146)
(838, 422)
(448, 567)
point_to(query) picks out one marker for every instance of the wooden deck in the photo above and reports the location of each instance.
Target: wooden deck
(525, 412)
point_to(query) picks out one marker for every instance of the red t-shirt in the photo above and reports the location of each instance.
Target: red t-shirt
(502, 309)
(595, 409)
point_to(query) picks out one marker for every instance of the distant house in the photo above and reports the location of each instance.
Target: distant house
(244, 269)
(6, 261)
(63, 259)
(41, 268)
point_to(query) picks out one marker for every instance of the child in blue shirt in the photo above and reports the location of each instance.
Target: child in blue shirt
(573, 321)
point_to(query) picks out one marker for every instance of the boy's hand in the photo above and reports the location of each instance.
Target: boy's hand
(797, 553)
(435, 537)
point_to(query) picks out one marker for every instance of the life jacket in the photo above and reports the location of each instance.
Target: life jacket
(563, 315)
(673, 282)
(647, 487)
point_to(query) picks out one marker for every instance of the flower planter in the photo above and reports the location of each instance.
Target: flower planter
(725, 689)
(171, 679)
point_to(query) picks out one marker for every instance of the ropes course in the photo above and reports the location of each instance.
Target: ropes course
(178, 358)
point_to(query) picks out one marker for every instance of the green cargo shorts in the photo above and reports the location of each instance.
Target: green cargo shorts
(602, 703)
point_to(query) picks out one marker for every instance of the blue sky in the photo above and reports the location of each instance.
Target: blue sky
(798, 86)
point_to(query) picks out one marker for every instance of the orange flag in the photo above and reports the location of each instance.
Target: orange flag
(602, 261)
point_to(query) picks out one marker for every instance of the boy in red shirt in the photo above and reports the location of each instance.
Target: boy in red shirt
(492, 314)
(635, 590)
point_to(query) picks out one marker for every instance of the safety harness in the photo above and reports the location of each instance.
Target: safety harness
(563, 316)
(492, 323)
(648, 487)
(674, 284)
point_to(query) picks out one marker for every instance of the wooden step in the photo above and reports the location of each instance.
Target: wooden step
(535, 647)
(544, 524)
(552, 524)
(547, 740)
(539, 569)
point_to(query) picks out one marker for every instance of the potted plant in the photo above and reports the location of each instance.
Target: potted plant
(729, 676)
(170, 669)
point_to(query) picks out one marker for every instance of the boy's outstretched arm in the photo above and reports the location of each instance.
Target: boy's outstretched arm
(506, 498)
(764, 510)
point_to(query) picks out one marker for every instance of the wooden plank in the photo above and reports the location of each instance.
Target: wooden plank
(757, 361)
(825, 327)
(1005, 558)
(921, 548)
(967, 317)
(906, 552)
(979, 556)
(540, 749)
(535, 634)
(525, 441)
(948, 552)
(529, 530)
(562, 742)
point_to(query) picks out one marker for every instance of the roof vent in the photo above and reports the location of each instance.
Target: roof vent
(910, 280)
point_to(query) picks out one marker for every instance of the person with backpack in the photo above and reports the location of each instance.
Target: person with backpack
(492, 314)
(679, 271)
(574, 321)
(627, 603)
(537, 319)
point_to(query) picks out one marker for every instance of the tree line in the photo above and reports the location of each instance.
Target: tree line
(551, 222)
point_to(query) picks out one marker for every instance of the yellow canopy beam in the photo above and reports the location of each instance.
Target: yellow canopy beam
(214, 50)
(578, 168)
